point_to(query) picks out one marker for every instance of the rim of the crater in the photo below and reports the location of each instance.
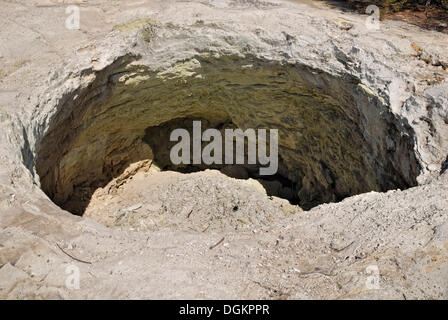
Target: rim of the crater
(81, 77)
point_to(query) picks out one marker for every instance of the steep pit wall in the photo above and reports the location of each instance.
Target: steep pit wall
(336, 138)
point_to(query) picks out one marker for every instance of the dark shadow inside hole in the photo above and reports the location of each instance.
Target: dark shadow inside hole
(330, 148)
(158, 138)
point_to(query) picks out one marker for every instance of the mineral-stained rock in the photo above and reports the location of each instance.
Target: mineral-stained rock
(86, 116)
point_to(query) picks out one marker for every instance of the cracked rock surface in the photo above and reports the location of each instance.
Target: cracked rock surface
(67, 102)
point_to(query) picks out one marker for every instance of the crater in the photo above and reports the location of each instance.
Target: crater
(336, 137)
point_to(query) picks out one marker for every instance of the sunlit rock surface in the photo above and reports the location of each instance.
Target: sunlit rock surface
(357, 111)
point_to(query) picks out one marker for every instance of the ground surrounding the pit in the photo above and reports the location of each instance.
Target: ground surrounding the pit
(205, 235)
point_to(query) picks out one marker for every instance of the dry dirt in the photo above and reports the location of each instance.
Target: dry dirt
(152, 234)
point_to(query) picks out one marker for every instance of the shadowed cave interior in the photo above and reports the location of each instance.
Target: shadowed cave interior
(335, 137)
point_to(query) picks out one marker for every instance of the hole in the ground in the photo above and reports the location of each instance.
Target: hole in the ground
(336, 138)
(158, 139)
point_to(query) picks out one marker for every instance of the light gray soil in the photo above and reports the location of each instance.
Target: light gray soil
(150, 234)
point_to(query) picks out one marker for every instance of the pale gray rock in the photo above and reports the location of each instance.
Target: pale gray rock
(75, 103)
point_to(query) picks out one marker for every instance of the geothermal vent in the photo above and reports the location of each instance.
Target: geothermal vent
(335, 140)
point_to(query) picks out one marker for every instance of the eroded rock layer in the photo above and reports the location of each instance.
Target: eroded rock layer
(77, 106)
(335, 139)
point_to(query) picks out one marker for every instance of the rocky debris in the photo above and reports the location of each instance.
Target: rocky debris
(372, 245)
(203, 202)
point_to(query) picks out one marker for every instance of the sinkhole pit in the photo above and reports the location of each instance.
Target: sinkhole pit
(336, 138)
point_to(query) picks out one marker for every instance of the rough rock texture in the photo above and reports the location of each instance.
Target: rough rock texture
(324, 145)
(204, 201)
(358, 110)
